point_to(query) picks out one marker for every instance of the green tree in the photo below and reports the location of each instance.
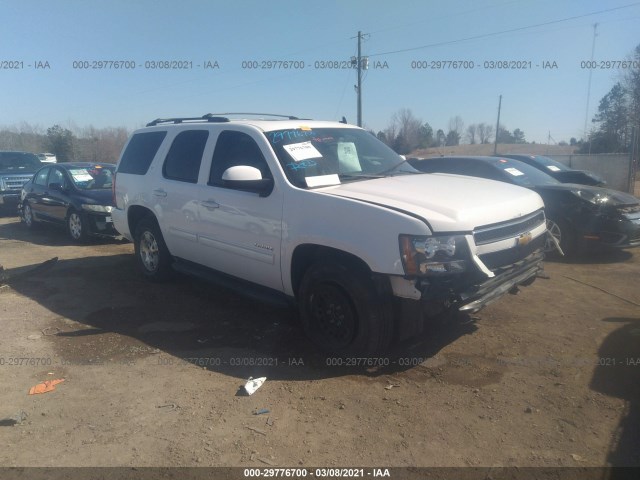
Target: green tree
(61, 143)
(612, 120)
(504, 136)
(453, 138)
(518, 136)
(425, 135)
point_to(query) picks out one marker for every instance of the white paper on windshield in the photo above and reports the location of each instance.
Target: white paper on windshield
(348, 157)
(322, 180)
(81, 175)
(302, 151)
(514, 171)
(553, 168)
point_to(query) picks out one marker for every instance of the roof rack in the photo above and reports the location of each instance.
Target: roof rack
(187, 119)
(217, 117)
(288, 117)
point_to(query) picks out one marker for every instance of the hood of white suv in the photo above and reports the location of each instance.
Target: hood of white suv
(448, 203)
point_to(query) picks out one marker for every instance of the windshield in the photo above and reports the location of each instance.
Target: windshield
(550, 164)
(524, 175)
(19, 161)
(96, 177)
(329, 156)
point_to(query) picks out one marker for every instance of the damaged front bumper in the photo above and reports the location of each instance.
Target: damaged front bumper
(417, 300)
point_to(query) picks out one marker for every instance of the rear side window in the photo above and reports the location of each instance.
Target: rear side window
(140, 152)
(185, 155)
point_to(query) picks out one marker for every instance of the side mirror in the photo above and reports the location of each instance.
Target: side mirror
(248, 179)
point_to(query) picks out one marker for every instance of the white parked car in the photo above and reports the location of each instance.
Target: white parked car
(47, 158)
(325, 216)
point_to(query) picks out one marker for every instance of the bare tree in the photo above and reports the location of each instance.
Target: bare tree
(405, 131)
(472, 131)
(485, 132)
(456, 125)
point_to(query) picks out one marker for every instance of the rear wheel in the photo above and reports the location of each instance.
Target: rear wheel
(152, 255)
(341, 311)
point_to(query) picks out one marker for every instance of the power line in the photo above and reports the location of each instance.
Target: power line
(493, 34)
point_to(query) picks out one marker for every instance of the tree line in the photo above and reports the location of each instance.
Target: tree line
(87, 144)
(406, 133)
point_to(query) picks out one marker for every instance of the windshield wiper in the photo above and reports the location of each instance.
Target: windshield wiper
(352, 176)
(389, 170)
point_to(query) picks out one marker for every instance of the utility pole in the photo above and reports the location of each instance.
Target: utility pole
(495, 145)
(361, 63)
(586, 113)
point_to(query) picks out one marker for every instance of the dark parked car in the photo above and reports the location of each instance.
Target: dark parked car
(77, 195)
(580, 217)
(16, 168)
(558, 170)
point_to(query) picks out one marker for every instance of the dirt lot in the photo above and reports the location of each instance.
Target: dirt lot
(550, 377)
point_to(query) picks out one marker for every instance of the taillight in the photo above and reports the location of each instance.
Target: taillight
(113, 189)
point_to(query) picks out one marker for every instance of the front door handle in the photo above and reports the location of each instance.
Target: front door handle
(210, 204)
(159, 193)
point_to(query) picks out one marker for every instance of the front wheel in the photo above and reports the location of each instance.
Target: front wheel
(562, 232)
(341, 311)
(27, 216)
(152, 255)
(77, 226)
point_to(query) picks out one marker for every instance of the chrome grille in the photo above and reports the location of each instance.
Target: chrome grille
(15, 182)
(501, 231)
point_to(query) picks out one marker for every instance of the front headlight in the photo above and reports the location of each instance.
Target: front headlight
(590, 196)
(97, 208)
(433, 255)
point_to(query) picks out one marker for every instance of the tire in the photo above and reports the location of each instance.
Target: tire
(27, 217)
(152, 255)
(77, 226)
(564, 234)
(341, 311)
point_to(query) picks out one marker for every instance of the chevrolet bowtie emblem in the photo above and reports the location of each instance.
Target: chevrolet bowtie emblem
(524, 239)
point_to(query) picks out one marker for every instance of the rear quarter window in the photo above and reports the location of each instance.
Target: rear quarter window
(185, 155)
(140, 151)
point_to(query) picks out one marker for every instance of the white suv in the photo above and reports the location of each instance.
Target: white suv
(323, 215)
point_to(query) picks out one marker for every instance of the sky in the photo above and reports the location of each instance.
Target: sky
(49, 54)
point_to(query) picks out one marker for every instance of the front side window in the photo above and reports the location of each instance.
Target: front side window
(185, 155)
(234, 149)
(344, 154)
(41, 177)
(56, 177)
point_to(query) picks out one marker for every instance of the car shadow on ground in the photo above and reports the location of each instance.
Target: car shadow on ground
(617, 374)
(117, 316)
(48, 235)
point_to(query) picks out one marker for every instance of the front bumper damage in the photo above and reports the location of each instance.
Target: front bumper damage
(418, 300)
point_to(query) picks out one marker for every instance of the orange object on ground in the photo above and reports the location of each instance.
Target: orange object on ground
(45, 387)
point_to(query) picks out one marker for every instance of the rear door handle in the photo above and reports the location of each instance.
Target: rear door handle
(210, 204)
(159, 193)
